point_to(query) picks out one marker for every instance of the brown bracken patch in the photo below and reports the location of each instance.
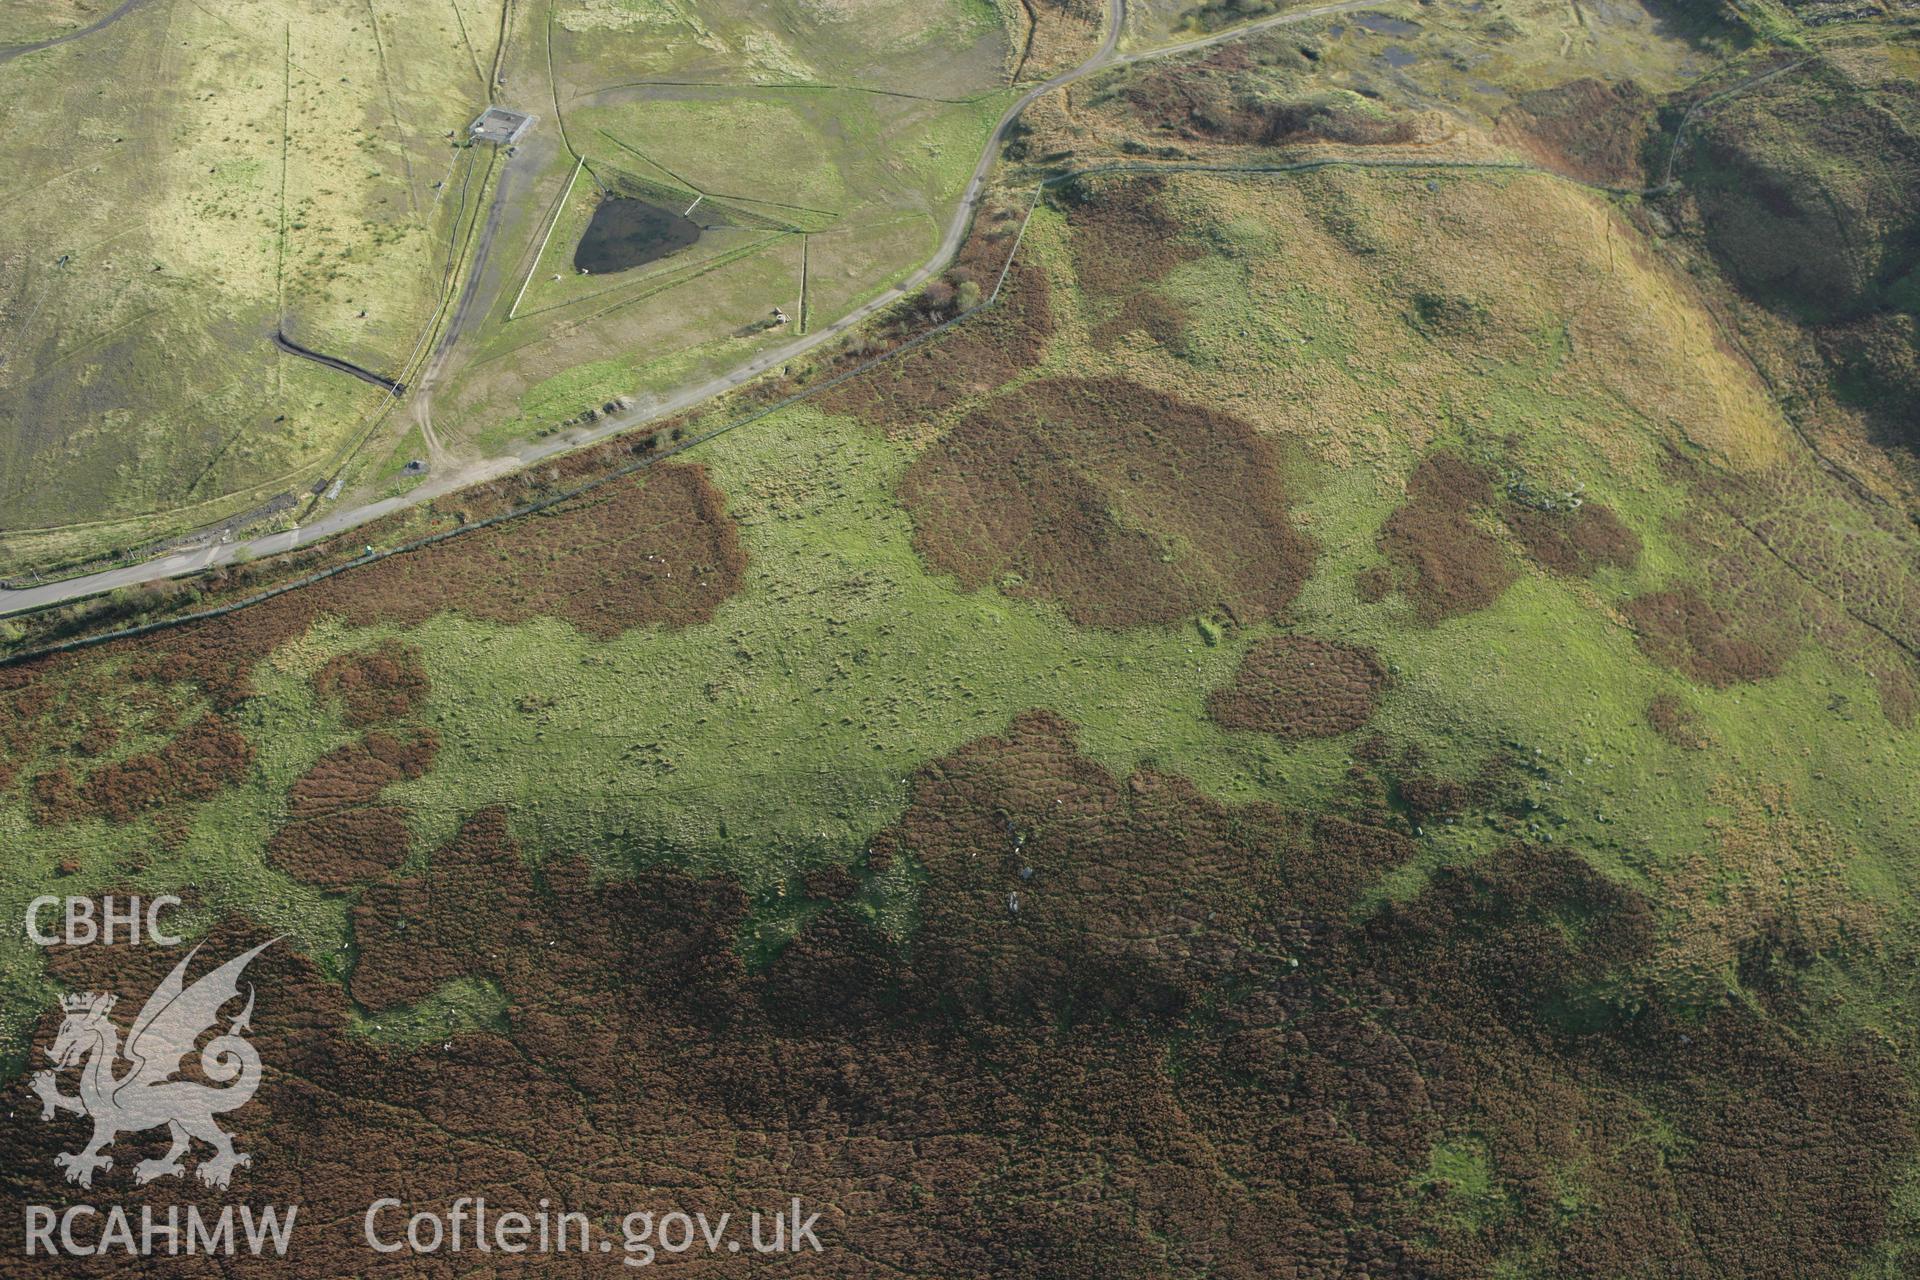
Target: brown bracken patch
(1121, 236)
(1899, 692)
(1175, 1046)
(1299, 687)
(1374, 583)
(382, 683)
(659, 549)
(1215, 101)
(1678, 723)
(1123, 241)
(195, 766)
(1576, 542)
(1718, 647)
(1428, 798)
(1050, 892)
(1444, 561)
(336, 835)
(1158, 317)
(1123, 504)
(1588, 129)
(53, 798)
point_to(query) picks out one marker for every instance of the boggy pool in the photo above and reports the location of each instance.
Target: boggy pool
(629, 233)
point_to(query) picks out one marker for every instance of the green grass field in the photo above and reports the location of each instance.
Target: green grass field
(870, 180)
(1607, 887)
(256, 167)
(779, 735)
(266, 167)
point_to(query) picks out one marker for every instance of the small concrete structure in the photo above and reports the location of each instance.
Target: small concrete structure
(500, 126)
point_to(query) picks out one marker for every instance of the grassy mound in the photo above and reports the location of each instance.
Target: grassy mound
(1809, 185)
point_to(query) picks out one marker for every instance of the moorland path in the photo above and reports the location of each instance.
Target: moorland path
(10, 52)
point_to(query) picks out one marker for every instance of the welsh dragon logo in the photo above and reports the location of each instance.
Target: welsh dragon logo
(146, 1095)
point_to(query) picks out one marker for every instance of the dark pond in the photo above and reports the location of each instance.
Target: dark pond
(628, 233)
(1385, 25)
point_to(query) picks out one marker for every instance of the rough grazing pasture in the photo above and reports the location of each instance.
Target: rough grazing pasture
(256, 167)
(1516, 944)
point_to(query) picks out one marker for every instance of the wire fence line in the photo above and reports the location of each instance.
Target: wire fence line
(621, 472)
(1195, 46)
(638, 464)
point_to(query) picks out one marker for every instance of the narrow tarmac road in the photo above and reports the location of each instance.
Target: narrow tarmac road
(197, 559)
(11, 52)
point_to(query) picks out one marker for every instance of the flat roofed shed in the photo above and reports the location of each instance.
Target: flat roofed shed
(497, 124)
